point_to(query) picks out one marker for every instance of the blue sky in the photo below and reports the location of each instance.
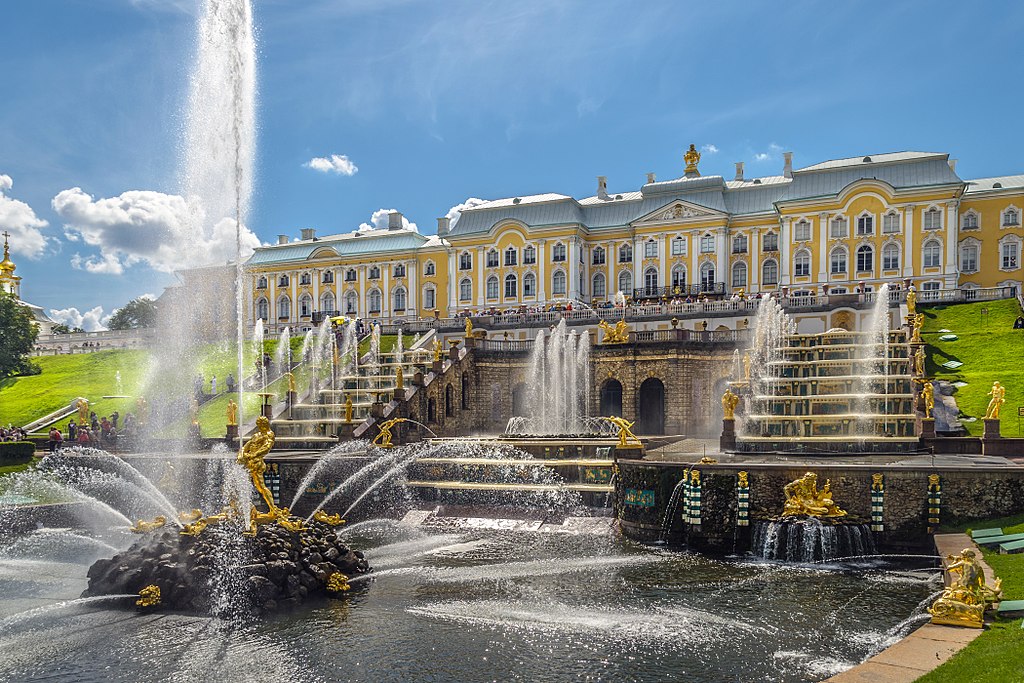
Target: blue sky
(436, 102)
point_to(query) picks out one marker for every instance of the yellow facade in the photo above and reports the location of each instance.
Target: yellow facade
(836, 227)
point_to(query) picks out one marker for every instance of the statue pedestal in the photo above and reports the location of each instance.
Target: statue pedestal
(232, 433)
(377, 409)
(400, 394)
(631, 451)
(437, 367)
(417, 379)
(267, 411)
(293, 398)
(927, 427)
(991, 429)
(727, 441)
(346, 431)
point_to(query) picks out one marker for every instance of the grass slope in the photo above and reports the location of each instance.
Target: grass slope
(990, 350)
(995, 655)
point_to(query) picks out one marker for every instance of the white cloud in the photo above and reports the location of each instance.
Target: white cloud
(456, 211)
(18, 218)
(709, 149)
(92, 320)
(337, 164)
(773, 153)
(379, 221)
(142, 226)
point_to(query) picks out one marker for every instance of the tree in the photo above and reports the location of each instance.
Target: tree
(135, 314)
(18, 333)
(60, 328)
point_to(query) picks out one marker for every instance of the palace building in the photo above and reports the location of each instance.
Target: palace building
(836, 227)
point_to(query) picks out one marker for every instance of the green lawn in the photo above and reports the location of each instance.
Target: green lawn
(995, 656)
(10, 469)
(990, 350)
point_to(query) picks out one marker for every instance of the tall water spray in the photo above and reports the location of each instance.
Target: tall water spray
(875, 352)
(771, 325)
(257, 343)
(559, 382)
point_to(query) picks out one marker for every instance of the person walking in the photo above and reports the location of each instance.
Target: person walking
(230, 382)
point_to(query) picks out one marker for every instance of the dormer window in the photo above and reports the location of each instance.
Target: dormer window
(492, 258)
(932, 219)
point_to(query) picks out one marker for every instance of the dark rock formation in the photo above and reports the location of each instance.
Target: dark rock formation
(222, 571)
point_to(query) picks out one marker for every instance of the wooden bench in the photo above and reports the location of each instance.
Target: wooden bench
(982, 533)
(996, 540)
(1011, 548)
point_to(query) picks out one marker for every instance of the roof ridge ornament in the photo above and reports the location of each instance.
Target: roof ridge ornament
(692, 158)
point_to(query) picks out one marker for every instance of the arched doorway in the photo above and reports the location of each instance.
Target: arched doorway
(449, 401)
(464, 398)
(519, 400)
(650, 407)
(611, 398)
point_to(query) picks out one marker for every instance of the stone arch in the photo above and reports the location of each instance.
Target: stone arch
(519, 398)
(650, 407)
(610, 398)
(464, 397)
(449, 401)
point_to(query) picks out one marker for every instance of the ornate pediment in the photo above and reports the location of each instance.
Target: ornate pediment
(677, 211)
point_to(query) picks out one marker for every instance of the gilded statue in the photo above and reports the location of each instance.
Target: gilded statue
(692, 158)
(330, 520)
(383, 438)
(746, 366)
(928, 393)
(142, 526)
(348, 407)
(742, 481)
(83, 411)
(626, 436)
(911, 302)
(469, 327)
(337, 583)
(729, 403)
(804, 498)
(437, 350)
(399, 378)
(190, 515)
(251, 457)
(291, 382)
(149, 596)
(964, 600)
(614, 334)
(918, 324)
(919, 359)
(998, 395)
(232, 413)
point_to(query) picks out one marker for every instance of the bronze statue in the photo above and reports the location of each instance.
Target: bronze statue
(928, 393)
(804, 498)
(998, 395)
(729, 403)
(232, 413)
(963, 602)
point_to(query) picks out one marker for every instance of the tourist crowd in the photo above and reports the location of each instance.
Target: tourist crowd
(102, 432)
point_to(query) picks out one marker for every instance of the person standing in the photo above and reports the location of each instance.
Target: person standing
(114, 417)
(72, 430)
(213, 386)
(55, 438)
(230, 382)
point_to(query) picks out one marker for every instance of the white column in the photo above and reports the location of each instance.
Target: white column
(755, 263)
(572, 274)
(385, 291)
(453, 283)
(908, 241)
(481, 266)
(272, 301)
(412, 303)
(293, 279)
(784, 251)
(542, 276)
(638, 261)
(721, 256)
(611, 256)
(952, 227)
(362, 305)
(823, 264)
(317, 274)
(663, 274)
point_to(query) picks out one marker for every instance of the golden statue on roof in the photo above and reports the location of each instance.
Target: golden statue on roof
(692, 158)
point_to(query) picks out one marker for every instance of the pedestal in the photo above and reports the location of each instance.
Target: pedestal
(267, 411)
(377, 409)
(293, 398)
(232, 433)
(727, 441)
(346, 431)
(400, 394)
(417, 379)
(631, 451)
(928, 428)
(437, 367)
(991, 429)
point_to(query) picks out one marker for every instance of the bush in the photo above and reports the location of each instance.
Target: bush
(16, 452)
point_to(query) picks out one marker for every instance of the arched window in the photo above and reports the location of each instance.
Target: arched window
(373, 300)
(492, 258)
(328, 277)
(350, 275)
(465, 261)
(492, 287)
(1011, 217)
(399, 300)
(597, 286)
(679, 279)
(558, 252)
(374, 273)
(707, 276)
(802, 263)
(351, 303)
(626, 282)
(558, 283)
(284, 308)
(865, 259)
(305, 306)
(597, 256)
(529, 285)
(400, 270)
(464, 394)
(932, 254)
(625, 254)
(651, 282)
(429, 298)
(529, 255)
(261, 283)
(282, 281)
(837, 261)
(739, 274)
(511, 286)
(890, 257)
(970, 221)
(263, 309)
(511, 256)
(327, 302)
(770, 272)
(465, 289)
(449, 401)
(430, 268)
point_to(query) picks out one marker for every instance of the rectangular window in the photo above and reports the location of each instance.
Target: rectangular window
(511, 257)
(931, 286)
(865, 225)
(492, 288)
(890, 223)
(492, 259)
(707, 244)
(465, 290)
(1010, 260)
(770, 243)
(837, 228)
(969, 259)
(529, 256)
(558, 252)
(511, 287)
(739, 244)
(428, 299)
(890, 259)
(465, 261)
(932, 219)
(679, 247)
(650, 249)
(802, 231)
(802, 265)
(838, 262)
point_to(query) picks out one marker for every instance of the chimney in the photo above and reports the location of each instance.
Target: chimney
(952, 165)
(394, 221)
(739, 170)
(787, 168)
(308, 234)
(443, 223)
(282, 239)
(651, 178)
(602, 186)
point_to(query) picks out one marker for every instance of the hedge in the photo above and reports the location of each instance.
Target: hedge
(16, 452)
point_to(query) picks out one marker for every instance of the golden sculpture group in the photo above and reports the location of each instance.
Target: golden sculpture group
(804, 498)
(383, 438)
(729, 403)
(964, 600)
(614, 334)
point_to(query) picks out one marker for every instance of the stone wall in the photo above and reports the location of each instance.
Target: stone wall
(967, 494)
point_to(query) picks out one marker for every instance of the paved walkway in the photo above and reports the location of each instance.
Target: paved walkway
(927, 647)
